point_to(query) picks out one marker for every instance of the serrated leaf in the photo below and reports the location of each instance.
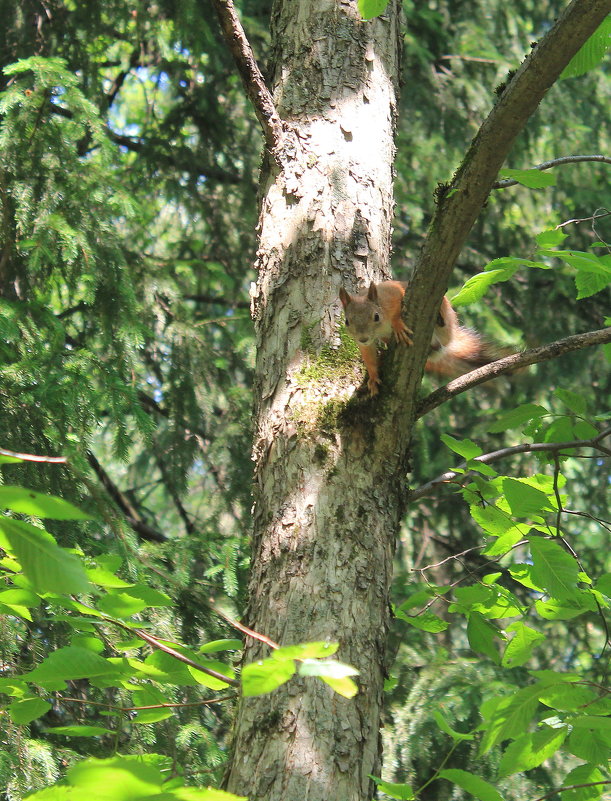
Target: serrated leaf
(516, 417)
(463, 447)
(475, 288)
(591, 745)
(427, 621)
(403, 792)
(25, 710)
(482, 636)
(37, 504)
(342, 686)
(79, 731)
(457, 736)
(520, 648)
(472, 784)
(590, 54)
(524, 500)
(582, 776)
(308, 650)
(510, 717)
(69, 663)
(49, 567)
(531, 749)
(221, 645)
(575, 402)
(532, 178)
(554, 569)
(368, 9)
(266, 675)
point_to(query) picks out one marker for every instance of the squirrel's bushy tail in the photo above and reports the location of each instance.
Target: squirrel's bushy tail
(464, 352)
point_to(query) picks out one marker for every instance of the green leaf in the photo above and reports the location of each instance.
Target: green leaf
(509, 717)
(520, 648)
(482, 636)
(551, 237)
(28, 502)
(584, 775)
(533, 179)
(368, 9)
(524, 500)
(120, 605)
(401, 791)
(590, 54)
(567, 698)
(308, 650)
(554, 569)
(266, 675)
(591, 745)
(427, 621)
(463, 447)
(457, 736)
(476, 286)
(342, 686)
(151, 696)
(531, 750)
(326, 667)
(221, 645)
(25, 710)
(49, 567)
(69, 663)
(472, 784)
(80, 731)
(119, 778)
(515, 417)
(575, 402)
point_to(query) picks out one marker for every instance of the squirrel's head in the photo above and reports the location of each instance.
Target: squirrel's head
(364, 318)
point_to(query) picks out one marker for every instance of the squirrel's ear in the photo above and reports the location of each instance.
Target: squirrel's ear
(372, 292)
(344, 297)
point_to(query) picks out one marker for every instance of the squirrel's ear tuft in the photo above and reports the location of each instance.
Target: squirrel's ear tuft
(344, 297)
(372, 292)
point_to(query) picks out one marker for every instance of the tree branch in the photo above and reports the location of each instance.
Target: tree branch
(131, 515)
(493, 456)
(252, 77)
(546, 165)
(509, 364)
(460, 202)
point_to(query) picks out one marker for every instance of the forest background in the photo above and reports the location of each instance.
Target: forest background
(130, 159)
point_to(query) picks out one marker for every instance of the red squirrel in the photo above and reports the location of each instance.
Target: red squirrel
(375, 314)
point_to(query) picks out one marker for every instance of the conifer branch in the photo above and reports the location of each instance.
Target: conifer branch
(509, 364)
(547, 165)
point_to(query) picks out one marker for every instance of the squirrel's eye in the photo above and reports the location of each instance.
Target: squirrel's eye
(376, 318)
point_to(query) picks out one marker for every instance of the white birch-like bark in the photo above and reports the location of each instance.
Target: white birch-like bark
(323, 524)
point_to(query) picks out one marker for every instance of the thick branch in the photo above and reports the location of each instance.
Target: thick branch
(461, 201)
(494, 456)
(509, 364)
(546, 165)
(252, 77)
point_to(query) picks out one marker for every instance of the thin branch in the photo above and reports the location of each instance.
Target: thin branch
(252, 77)
(155, 643)
(244, 629)
(87, 702)
(509, 364)
(493, 456)
(130, 513)
(571, 787)
(546, 165)
(32, 457)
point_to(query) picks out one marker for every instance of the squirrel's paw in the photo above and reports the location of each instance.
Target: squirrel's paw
(402, 332)
(372, 385)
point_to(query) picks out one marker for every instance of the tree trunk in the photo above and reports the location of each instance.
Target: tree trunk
(324, 521)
